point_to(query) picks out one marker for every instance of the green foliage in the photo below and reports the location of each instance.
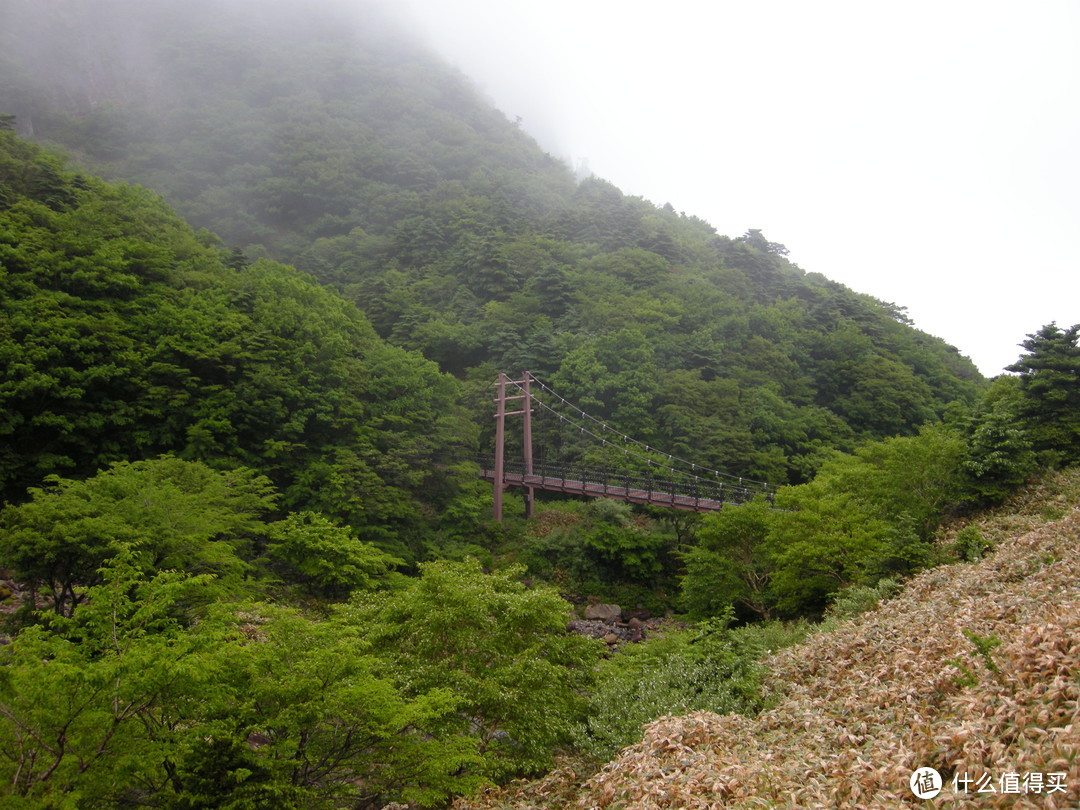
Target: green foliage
(121, 704)
(619, 548)
(866, 517)
(82, 704)
(173, 514)
(709, 668)
(774, 635)
(1049, 400)
(606, 549)
(498, 646)
(332, 728)
(984, 646)
(324, 559)
(732, 564)
(856, 600)
(556, 553)
(999, 446)
(970, 545)
(626, 553)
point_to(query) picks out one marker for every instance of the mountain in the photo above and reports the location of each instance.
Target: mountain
(333, 141)
(259, 265)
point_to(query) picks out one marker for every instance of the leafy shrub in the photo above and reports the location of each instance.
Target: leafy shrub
(711, 668)
(772, 635)
(858, 599)
(969, 544)
(499, 647)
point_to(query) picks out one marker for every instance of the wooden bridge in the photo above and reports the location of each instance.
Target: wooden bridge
(693, 494)
(698, 490)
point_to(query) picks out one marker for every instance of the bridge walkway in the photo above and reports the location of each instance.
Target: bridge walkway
(692, 494)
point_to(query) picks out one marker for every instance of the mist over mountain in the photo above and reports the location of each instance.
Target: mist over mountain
(324, 135)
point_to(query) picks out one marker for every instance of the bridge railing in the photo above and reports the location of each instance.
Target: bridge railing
(626, 484)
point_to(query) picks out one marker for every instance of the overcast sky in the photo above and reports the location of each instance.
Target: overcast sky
(925, 153)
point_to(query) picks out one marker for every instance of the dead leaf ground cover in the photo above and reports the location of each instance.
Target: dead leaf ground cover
(973, 669)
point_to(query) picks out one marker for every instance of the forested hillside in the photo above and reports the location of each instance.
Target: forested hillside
(259, 265)
(125, 334)
(340, 146)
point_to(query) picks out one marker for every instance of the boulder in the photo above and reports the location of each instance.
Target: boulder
(605, 613)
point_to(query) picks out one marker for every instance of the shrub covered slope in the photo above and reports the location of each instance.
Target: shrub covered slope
(973, 669)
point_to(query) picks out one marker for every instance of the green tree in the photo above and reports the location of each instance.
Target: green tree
(865, 516)
(174, 514)
(1050, 391)
(323, 558)
(756, 240)
(500, 647)
(999, 447)
(620, 549)
(732, 564)
(122, 704)
(91, 704)
(333, 729)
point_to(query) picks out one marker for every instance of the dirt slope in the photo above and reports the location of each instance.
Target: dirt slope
(860, 708)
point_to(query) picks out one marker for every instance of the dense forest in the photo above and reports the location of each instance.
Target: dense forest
(257, 274)
(356, 157)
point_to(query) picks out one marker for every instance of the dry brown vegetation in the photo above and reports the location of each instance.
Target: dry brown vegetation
(973, 669)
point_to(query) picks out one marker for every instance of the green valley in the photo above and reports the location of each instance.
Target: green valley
(259, 268)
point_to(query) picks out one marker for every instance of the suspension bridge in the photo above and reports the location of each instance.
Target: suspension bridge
(629, 470)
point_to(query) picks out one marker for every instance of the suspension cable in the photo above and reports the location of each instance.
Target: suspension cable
(673, 459)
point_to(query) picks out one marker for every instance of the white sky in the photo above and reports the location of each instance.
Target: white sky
(925, 153)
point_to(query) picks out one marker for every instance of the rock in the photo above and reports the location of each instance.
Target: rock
(637, 613)
(605, 613)
(591, 628)
(611, 632)
(635, 623)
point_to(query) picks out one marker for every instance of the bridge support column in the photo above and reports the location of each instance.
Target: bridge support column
(500, 439)
(526, 440)
(500, 445)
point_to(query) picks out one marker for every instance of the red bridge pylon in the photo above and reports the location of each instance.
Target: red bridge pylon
(500, 437)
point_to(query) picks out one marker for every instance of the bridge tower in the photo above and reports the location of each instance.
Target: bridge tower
(501, 413)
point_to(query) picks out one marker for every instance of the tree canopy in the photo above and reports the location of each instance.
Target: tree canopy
(126, 334)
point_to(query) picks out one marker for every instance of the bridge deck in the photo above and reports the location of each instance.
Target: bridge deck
(606, 489)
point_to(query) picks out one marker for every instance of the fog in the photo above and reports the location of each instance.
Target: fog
(923, 152)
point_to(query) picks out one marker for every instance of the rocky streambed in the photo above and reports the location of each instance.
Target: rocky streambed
(615, 626)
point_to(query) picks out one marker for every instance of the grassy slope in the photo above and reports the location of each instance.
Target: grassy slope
(860, 707)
